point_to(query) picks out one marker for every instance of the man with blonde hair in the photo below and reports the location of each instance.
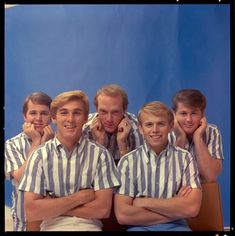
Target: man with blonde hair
(160, 185)
(69, 181)
(112, 126)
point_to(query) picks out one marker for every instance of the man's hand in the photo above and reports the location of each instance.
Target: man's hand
(179, 133)
(184, 191)
(198, 133)
(33, 134)
(97, 130)
(48, 133)
(123, 131)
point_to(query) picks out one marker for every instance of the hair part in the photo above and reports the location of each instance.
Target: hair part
(36, 98)
(65, 97)
(112, 90)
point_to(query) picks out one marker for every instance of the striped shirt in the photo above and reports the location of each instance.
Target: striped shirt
(144, 174)
(16, 150)
(134, 139)
(51, 168)
(212, 139)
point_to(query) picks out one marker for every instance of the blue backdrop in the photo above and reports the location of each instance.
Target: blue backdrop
(150, 50)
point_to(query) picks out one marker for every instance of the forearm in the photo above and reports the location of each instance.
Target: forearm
(127, 214)
(176, 207)
(131, 215)
(99, 208)
(46, 208)
(18, 174)
(209, 168)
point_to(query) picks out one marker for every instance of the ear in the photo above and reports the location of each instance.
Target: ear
(53, 119)
(24, 118)
(140, 128)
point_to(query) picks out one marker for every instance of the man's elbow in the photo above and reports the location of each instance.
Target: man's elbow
(104, 213)
(121, 218)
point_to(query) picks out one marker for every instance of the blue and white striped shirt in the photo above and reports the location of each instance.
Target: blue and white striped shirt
(16, 150)
(52, 169)
(212, 139)
(135, 139)
(144, 174)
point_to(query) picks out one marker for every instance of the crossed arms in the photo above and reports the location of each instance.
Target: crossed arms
(86, 203)
(149, 211)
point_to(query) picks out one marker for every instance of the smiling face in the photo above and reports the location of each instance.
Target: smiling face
(38, 115)
(155, 130)
(69, 119)
(188, 118)
(111, 112)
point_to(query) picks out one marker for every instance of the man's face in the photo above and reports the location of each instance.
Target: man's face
(38, 115)
(111, 112)
(188, 118)
(155, 130)
(69, 119)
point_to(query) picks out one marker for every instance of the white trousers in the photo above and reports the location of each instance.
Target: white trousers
(67, 223)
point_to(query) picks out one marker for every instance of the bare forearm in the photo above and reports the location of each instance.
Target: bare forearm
(176, 207)
(130, 215)
(46, 208)
(209, 168)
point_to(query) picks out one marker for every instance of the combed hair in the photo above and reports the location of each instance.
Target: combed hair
(36, 98)
(192, 98)
(156, 108)
(112, 90)
(65, 97)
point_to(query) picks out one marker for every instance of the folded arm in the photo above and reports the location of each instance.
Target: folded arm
(98, 208)
(177, 207)
(128, 214)
(38, 207)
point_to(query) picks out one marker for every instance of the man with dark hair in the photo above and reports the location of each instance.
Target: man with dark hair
(193, 133)
(36, 131)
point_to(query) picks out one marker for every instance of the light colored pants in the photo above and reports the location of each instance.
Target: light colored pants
(67, 223)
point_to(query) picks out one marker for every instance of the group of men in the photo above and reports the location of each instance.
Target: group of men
(148, 169)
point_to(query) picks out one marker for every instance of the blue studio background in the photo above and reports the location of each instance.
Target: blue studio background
(150, 50)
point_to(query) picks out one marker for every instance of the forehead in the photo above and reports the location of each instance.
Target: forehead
(73, 104)
(148, 117)
(111, 102)
(36, 107)
(183, 107)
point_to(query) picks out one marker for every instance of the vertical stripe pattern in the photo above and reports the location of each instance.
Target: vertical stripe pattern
(16, 150)
(54, 169)
(143, 173)
(135, 139)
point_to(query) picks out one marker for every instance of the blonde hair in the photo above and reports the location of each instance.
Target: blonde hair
(156, 108)
(112, 90)
(65, 97)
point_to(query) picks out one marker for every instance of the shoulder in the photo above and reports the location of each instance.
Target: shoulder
(19, 136)
(134, 154)
(179, 151)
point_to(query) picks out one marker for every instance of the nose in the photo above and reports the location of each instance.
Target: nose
(38, 116)
(70, 117)
(109, 117)
(189, 117)
(155, 128)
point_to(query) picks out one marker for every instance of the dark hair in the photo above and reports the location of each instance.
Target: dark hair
(36, 98)
(189, 97)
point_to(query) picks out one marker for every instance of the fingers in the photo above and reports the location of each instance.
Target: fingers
(184, 191)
